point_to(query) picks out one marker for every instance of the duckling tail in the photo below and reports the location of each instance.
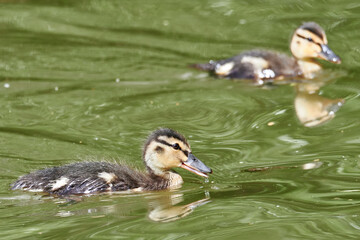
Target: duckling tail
(203, 66)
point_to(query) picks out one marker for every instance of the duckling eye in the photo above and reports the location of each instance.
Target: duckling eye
(310, 39)
(176, 146)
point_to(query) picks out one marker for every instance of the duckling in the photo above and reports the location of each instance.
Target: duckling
(164, 149)
(308, 43)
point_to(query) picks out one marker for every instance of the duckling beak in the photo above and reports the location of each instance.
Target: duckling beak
(327, 54)
(196, 166)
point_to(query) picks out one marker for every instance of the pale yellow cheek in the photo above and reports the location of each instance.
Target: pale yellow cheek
(317, 50)
(174, 163)
(312, 50)
(169, 160)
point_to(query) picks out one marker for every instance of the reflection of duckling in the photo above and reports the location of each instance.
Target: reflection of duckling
(312, 109)
(165, 208)
(164, 149)
(308, 42)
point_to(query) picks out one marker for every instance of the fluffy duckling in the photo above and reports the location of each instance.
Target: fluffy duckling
(308, 43)
(165, 149)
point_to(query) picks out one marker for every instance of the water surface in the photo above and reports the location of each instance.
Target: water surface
(86, 80)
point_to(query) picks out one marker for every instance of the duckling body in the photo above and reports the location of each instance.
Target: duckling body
(164, 150)
(308, 43)
(255, 64)
(87, 178)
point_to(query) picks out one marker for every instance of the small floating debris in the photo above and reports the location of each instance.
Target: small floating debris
(258, 169)
(307, 166)
(311, 165)
(117, 80)
(271, 124)
(6, 85)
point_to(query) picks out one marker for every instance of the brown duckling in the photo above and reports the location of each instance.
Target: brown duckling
(164, 149)
(308, 43)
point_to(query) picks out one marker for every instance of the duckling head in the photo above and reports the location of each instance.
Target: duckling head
(309, 41)
(166, 149)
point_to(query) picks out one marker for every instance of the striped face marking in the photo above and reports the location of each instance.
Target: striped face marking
(306, 44)
(175, 144)
(166, 149)
(311, 37)
(164, 153)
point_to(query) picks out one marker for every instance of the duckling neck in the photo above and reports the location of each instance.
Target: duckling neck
(165, 180)
(175, 180)
(308, 67)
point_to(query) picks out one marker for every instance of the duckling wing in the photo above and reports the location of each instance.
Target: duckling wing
(254, 64)
(81, 178)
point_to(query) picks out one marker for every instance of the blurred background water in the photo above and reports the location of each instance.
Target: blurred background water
(91, 79)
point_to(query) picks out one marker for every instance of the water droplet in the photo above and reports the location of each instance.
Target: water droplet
(207, 194)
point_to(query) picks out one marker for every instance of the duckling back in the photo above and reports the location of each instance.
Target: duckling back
(85, 178)
(254, 64)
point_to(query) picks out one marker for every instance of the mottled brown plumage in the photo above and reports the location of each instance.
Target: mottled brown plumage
(308, 43)
(279, 64)
(95, 177)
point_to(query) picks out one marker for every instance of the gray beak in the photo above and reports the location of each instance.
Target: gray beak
(196, 166)
(329, 55)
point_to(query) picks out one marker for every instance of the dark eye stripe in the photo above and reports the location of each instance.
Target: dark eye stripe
(309, 39)
(170, 145)
(163, 142)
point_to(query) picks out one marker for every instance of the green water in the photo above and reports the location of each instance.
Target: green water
(91, 79)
